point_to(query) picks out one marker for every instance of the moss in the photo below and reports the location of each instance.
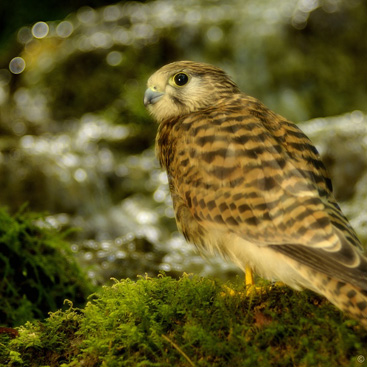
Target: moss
(191, 322)
(37, 269)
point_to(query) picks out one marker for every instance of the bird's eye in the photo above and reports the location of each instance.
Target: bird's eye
(180, 79)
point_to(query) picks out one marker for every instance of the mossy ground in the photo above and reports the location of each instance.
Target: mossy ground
(37, 269)
(190, 322)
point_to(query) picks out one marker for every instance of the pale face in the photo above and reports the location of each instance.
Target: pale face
(183, 87)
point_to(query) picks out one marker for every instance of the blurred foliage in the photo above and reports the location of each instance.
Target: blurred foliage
(303, 58)
(17, 13)
(76, 141)
(191, 322)
(37, 269)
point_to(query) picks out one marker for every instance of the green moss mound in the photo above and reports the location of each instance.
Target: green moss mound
(37, 269)
(191, 322)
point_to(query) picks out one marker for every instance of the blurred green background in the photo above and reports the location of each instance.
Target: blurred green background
(77, 143)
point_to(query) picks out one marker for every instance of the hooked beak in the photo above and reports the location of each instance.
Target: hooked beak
(152, 96)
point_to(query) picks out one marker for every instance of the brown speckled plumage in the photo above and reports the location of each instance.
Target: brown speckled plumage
(249, 184)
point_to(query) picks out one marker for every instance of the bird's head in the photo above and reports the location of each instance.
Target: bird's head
(184, 87)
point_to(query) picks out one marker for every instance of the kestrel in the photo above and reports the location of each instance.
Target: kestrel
(249, 184)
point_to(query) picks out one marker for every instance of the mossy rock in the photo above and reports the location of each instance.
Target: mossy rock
(37, 269)
(191, 322)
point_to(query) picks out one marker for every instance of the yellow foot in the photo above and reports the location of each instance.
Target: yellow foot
(254, 290)
(251, 288)
(250, 291)
(231, 292)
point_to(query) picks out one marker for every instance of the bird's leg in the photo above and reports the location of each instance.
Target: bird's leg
(249, 277)
(251, 288)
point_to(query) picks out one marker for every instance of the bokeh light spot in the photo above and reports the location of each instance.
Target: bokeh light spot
(308, 5)
(193, 17)
(101, 40)
(123, 36)
(5, 77)
(142, 30)
(214, 34)
(86, 14)
(17, 65)
(80, 175)
(114, 58)
(112, 13)
(19, 128)
(64, 29)
(159, 196)
(24, 35)
(40, 30)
